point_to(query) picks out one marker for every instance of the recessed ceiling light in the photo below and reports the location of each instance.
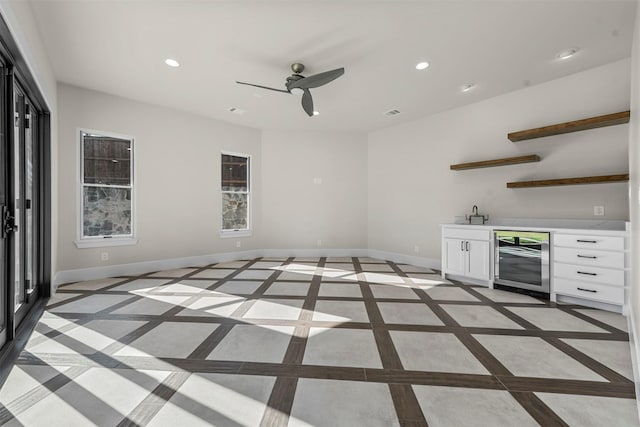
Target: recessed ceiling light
(422, 65)
(467, 87)
(567, 53)
(315, 113)
(172, 62)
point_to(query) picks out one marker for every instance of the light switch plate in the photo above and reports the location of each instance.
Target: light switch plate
(598, 210)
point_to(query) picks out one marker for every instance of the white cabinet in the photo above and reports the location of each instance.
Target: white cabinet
(590, 266)
(454, 256)
(466, 252)
(478, 260)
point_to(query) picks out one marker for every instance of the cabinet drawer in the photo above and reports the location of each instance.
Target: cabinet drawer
(466, 233)
(589, 257)
(610, 294)
(609, 243)
(589, 274)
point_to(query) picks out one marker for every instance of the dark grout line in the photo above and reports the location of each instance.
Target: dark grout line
(595, 322)
(565, 386)
(280, 401)
(538, 410)
(36, 394)
(596, 366)
(404, 398)
(146, 410)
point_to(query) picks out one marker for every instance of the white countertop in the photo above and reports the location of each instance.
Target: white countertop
(551, 225)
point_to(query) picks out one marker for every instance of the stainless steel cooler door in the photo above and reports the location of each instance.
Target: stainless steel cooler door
(522, 259)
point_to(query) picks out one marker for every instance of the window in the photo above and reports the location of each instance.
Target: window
(106, 189)
(236, 188)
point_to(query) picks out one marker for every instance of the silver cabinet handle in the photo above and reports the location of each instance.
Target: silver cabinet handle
(586, 241)
(462, 245)
(587, 256)
(587, 290)
(587, 273)
(467, 245)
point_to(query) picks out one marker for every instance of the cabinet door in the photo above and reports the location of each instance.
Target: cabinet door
(454, 256)
(478, 265)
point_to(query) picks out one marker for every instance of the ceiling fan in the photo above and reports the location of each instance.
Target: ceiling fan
(297, 84)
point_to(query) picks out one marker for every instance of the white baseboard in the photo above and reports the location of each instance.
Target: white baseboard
(592, 304)
(313, 252)
(93, 273)
(635, 353)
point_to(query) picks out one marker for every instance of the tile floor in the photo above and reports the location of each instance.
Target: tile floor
(316, 342)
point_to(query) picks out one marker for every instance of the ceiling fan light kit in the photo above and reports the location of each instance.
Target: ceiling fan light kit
(298, 84)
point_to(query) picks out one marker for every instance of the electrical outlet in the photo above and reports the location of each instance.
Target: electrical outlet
(238, 244)
(319, 242)
(598, 210)
(416, 248)
(104, 256)
(317, 180)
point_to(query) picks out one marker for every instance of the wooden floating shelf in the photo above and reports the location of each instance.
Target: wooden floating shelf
(575, 126)
(496, 162)
(603, 179)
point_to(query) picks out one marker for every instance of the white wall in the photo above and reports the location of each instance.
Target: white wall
(19, 19)
(297, 213)
(178, 179)
(177, 161)
(412, 190)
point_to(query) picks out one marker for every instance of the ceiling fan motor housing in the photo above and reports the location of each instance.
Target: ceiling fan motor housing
(291, 79)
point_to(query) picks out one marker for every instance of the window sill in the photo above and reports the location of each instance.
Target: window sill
(235, 233)
(102, 242)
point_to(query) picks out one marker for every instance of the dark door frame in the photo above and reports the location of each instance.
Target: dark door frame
(18, 71)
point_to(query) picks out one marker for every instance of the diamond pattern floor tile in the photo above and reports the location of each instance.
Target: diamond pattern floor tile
(311, 341)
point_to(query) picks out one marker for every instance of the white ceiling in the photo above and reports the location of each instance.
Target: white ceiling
(119, 47)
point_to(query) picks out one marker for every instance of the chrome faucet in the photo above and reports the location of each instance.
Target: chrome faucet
(475, 216)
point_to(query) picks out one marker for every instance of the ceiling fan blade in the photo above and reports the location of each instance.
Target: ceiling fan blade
(263, 87)
(318, 79)
(307, 102)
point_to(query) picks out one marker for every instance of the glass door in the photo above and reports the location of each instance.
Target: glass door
(22, 199)
(4, 215)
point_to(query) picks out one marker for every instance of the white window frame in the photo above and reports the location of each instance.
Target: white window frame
(246, 232)
(103, 241)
